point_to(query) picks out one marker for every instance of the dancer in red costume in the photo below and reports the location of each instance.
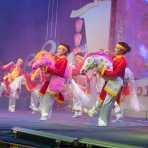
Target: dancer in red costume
(112, 88)
(53, 86)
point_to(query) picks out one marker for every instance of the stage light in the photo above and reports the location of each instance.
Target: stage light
(146, 1)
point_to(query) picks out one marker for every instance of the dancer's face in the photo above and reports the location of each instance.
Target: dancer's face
(78, 59)
(118, 51)
(60, 51)
(19, 61)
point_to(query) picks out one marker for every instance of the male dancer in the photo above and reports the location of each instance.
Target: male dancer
(82, 81)
(112, 88)
(54, 85)
(12, 82)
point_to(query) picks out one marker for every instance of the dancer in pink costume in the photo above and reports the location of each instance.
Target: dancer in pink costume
(53, 87)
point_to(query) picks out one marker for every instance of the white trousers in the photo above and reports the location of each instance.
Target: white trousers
(35, 100)
(105, 111)
(46, 105)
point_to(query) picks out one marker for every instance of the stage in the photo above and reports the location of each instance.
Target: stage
(129, 132)
(74, 52)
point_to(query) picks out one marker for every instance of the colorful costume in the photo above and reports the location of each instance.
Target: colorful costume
(52, 88)
(79, 86)
(111, 91)
(36, 79)
(33, 83)
(12, 83)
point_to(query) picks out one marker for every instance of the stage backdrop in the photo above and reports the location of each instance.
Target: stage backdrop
(96, 16)
(26, 25)
(130, 21)
(130, 24)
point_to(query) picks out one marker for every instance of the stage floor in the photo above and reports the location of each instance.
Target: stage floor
(28, 120)
(128, 131)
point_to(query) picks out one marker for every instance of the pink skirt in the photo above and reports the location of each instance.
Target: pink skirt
(56, 84)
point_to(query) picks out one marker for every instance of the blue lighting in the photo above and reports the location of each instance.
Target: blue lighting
(143, 51)
(146, 1)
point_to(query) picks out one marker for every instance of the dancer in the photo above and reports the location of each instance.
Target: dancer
(36, 78)
(54, 84)
(82, 82)
(113, 86)
(12, 82)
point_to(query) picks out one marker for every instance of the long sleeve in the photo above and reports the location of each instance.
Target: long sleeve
(119, 65)
(10, 66)
(60, 67)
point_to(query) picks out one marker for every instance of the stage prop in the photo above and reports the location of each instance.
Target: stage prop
(101, 137)
(96, 17)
